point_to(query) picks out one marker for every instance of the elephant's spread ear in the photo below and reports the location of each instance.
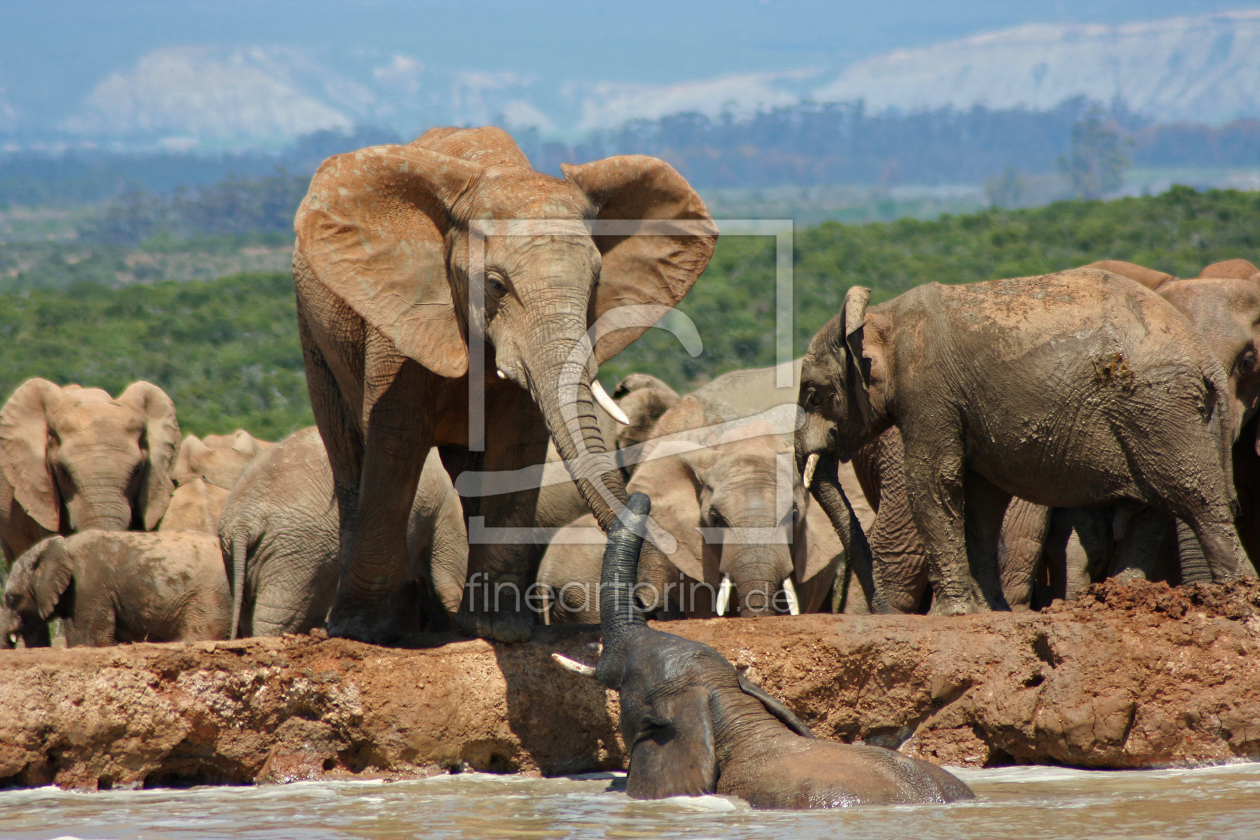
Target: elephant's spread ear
(676, 757)
(654, 270)
(51, 574)
(371, 230)
(161, 432)
(774, 707)
(854, 319)
(670, 476)
(1148, 277)
(24, 450)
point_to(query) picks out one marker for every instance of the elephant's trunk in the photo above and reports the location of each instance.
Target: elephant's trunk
(826, 489)
(562, 389)
(619, 614)
(99, 509)
(240, 541)
(758, 581)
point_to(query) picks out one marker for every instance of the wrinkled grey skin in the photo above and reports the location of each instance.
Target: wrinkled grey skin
(385, 265)
(278, 533)
(979, 379)
(693, 725)
(125, 586)
(73, 459)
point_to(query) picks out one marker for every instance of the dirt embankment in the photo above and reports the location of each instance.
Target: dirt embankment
(1135, 676)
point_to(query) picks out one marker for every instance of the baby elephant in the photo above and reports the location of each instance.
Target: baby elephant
(110, 587)
(693, 725)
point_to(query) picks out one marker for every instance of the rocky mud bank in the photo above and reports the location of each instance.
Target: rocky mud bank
(1127, 677)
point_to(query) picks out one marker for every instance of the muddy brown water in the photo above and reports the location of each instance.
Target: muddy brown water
(1022, 802)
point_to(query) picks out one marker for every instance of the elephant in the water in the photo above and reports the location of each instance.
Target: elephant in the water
(206, 470)
(109, 588)
(989, 408)
(279, 535)
(693, 725)
(75, 458)
(409, 300)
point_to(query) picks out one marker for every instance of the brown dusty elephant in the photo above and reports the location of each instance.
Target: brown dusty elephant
(409, 300)
(278, 534)
(206, 469)
(745, 533)
(75, 458)
(109, 587)
(693, 725)
(1068, 390)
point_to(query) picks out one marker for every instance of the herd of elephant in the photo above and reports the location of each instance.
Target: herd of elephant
(956, 449)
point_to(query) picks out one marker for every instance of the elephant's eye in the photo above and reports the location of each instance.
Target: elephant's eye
(495, 286)
(812, 399)
(1246, 362)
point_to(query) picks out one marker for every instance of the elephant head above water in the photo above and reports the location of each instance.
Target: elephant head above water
(406, 278)
(693, 725)
(75, 458)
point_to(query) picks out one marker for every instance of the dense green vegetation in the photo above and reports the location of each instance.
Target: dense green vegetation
(732, 306)
(227, 350)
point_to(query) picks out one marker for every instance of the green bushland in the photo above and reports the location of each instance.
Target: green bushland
(1179, 231)
(227, 350)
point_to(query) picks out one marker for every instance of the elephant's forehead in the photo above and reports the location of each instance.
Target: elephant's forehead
(522, 194)
(98, 417)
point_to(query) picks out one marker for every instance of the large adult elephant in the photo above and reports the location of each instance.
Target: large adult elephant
(404, 310)
(1112, 398)
(75, 458)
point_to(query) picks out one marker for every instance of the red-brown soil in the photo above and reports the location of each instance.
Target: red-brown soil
(1129, 676)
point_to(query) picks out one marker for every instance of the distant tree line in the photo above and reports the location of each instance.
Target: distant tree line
(808, 144)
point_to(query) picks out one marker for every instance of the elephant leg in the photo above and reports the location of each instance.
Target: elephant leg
(985, 507)
(500, 544)
(397, 436)
(934, 484)
(1020, 550)
(1079, 548)
(901, 562)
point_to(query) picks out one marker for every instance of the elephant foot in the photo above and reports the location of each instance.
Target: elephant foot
(507, 627)
(344, 624)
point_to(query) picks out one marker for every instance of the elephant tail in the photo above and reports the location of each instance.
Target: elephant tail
(239, 548)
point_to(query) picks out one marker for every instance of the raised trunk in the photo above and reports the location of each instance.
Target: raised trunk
(619, 616)
(826, 490)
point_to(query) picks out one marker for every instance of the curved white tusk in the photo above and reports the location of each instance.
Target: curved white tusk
(811, 464)
(794, 605)
(573, 665)
(501, 374)
(606, 403)
(723, 595)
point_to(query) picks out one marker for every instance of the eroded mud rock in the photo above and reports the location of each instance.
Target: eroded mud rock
(1129, 676)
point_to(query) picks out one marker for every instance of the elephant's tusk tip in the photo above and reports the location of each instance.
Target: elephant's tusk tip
(811, 464)
(606, 403)
(789, 590)
(501, 374)
(723, 595)
(573, 665)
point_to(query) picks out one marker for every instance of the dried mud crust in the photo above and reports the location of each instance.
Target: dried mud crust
(1135, 675)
